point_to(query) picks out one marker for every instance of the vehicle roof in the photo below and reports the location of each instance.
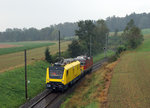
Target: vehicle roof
(70, 65)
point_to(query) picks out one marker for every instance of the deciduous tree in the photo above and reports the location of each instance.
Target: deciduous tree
(132, 35)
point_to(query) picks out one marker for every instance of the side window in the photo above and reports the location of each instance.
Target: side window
(67, 72)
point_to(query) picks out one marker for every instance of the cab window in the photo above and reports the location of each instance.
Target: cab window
(56, 73)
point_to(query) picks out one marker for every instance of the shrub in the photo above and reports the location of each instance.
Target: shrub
(48, 57)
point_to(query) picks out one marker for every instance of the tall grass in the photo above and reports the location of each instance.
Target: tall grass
(100, 56)
(12, 84)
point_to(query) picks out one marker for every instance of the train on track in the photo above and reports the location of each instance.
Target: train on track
(65, 73)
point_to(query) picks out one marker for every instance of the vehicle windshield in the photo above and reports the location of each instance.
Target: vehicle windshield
(56, 72)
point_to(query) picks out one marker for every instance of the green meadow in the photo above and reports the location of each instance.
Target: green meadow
(130, 83)
(23, 45)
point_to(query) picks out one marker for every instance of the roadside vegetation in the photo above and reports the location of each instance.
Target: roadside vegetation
(92, 91)
(101, 56)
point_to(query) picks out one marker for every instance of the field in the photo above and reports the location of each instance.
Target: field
(144, 31)
(12, 83)
(12, 91)
(130, 83)
(11, 47)
(13, 60)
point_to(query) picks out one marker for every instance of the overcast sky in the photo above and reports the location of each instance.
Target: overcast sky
(43, 13)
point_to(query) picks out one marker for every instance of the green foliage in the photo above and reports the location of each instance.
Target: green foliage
(114, 41)
(145, 47)
(55, 57)
(48, 57)
(12, 84)
(96, 32)
(141, 20)
(120, 49)
(74, 48)
(33, 34)
(67, 29)
(86, 29)
(99, 39)
(23, 46)
(116, 32)
(132, 35)
(100, 56)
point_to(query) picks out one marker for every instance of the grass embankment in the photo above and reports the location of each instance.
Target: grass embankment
(92, 91)
(10, 61)
(12, 84)
(12, 92)
(23, 45)
(130, 83)
(100, 56)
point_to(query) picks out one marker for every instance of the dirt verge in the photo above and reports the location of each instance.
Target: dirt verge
(107, 78)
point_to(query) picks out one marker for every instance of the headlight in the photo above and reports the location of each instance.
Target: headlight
(48, 85)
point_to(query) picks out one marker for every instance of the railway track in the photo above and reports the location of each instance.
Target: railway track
(49, 99)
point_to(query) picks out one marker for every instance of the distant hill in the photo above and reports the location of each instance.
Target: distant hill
(67, 29)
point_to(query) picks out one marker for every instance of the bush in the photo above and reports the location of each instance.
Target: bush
(120, 49)
(74, 48)
(55, 57)
(48, 57)
(132, 35)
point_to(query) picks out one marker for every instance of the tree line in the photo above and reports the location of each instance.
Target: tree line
(68, 29)
(33, 34)
(141, 20)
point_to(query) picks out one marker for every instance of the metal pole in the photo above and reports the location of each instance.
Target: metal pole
(26, 92)
(105, 52)
(90, 45)
(59, 44)
(106, 43)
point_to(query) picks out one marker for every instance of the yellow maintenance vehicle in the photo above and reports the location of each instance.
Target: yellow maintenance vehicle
(62, 75)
